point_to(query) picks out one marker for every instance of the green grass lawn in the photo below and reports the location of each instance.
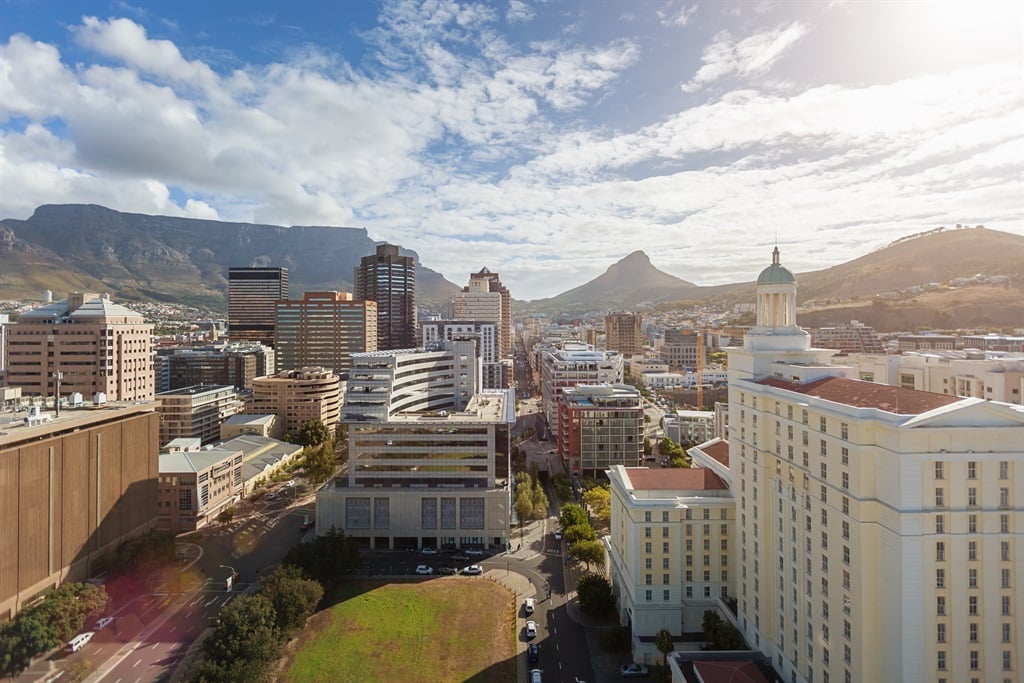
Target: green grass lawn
(440, 629)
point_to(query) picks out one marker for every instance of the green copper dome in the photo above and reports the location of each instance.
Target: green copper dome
(776, 273)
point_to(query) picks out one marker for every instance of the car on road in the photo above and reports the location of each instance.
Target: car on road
(460, 557)
(474, 552)
(307, 525)
(272, 495)
(448, 571)
(633, 670)
(79, 641)
(102, 623)
(424, 569)
(528, 605)
(290, 482)
(558, 534)
(531, 629)
(473, 570)
(536, 676)
(427, 550)
(533, 653)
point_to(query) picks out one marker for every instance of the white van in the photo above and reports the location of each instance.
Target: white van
(79, 641)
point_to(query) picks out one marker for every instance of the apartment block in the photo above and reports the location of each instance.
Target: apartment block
(87, 344)
(324, 329)
(853, 338)
(196, 412)
(486, 298)
(880, 527)
(678, 348)
(252, 296)
(672, 550)
(496, 372)
(969, 373)
(237, 364)
(298, 396)
(572, 363)
(72, 487)
(389, 280)
(600, 426)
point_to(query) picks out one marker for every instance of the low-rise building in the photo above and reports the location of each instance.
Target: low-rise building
(196, 484)
(600, 426)
(261, 425)
(262, 458)
(690, 426)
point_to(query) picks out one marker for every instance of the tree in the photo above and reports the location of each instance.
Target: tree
(648, 446)
(595, 595)
(588, 552)
(320, 462)
(524, 504)
(579, 532)
(599, 500)
(721, 635)
(247, 639)
(663, 641)
(293, 595)
(539, 500)
(326, 558)
(573, 514)
(67, 608)
(313, 433)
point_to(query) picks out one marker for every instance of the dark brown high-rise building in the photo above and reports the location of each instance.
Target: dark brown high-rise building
(624, 333)
(252, 295)
(390, 280)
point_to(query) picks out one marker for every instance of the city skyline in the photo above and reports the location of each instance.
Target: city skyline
(529, 137)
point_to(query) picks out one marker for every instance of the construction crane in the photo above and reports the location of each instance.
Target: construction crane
(700, 369)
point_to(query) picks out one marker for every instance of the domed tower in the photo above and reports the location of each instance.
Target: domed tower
(776, 299)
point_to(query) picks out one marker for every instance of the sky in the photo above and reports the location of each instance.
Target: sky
(543, 139)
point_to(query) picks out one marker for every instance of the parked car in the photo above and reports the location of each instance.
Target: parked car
(460, 557)
(531, 629)
(558, 534)
(633, 670)
(448, 571)
(528, 605)
(102, 623)
(424, 569)
(474, 552)
(473, 570)
(79, 641)
(427, 550)
(533, 653)
(536, 676)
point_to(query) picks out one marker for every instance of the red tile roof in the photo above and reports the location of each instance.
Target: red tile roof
(719, 451)
(860, 394)
(671, 478)
(729, 672)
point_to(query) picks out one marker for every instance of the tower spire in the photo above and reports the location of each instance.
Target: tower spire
(775, 256)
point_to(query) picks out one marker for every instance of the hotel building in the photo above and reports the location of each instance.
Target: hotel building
(97, 346)
(252, 295)
(880, 527)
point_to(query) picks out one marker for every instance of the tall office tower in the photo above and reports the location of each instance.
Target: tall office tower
(678, 348)
(324, 329)
(600, 426)
(72, 487)
(485, 298)
(235, 364)
(252, 295)
(624, 333)
(97, 346)
(496, 371)
(390, 280)
(880, 526)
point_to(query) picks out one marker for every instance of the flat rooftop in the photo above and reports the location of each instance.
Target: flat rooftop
(14, 430)
(488, 407)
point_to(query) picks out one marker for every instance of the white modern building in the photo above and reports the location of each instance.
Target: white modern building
(879, 527)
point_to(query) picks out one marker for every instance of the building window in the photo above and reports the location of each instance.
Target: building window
(185, 499)
(972, 578)
(846, 505)
(822, 424)
(648, 595)
(972, 632)
(940, 578)
(649, 579)
(1007, 660)
(647, 515)
(1004, 469)
(940, 524)
(1006, 633)
(666, 594)
(973, 658)
(972, 605)
(689, 591)
(647, 532)
(972, 524)
(844, 431)
(940, 662)
(1004, 524)
(940, 633)
(1004, 551)
(1004, 497)
(940, 606)
(972, 470)
(1005, 602)
(1005, 577)
(845, 456)
(939, 471)
(664, 516)
(647, 547)
(972, 550)
(940, 498)
(940, 551)
(664, 547)
(972, 497)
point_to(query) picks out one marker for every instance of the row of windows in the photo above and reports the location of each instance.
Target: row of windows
(973, 661)
(972, 632)
(972, 605)
(972, 469)
(972, 497)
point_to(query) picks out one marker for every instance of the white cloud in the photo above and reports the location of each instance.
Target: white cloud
(673, 15)
(751, 56)
(519, 12)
